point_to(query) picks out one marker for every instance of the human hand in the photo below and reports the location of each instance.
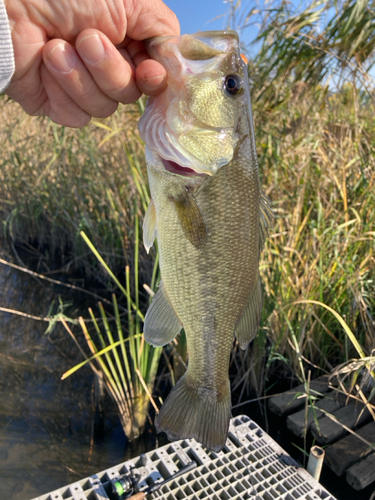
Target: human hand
(75, 60)
(137, 496)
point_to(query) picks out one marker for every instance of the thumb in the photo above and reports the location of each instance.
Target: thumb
(148, 19)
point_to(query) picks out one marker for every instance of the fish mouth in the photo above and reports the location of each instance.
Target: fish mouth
(175, 168)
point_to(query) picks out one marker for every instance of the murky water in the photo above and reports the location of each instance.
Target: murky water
(49, 432)
(47, 436)
(276, 428)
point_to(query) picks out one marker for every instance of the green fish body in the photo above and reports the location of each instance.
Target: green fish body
(210, 220)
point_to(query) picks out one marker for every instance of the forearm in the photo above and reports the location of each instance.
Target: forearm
(6, 50)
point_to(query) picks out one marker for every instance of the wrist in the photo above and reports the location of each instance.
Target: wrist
(7, 65)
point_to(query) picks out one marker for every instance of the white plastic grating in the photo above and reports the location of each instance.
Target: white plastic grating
(251, 466)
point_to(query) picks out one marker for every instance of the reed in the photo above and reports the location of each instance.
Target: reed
(124, 361)
(313, 102)
(56, 182)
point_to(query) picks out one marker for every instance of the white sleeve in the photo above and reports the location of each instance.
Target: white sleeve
(6, 50)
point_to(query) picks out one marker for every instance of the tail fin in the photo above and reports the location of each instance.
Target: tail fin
(189, 412)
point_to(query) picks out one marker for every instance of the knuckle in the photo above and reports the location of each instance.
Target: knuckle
(130, 97)
(106, 111)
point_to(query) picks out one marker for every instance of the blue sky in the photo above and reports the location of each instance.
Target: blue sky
(203, 15)
(194, 15)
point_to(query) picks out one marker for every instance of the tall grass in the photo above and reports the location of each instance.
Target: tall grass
(319, 170)
(129, 369)
(76, 199)
(314, 119)
(56, 182)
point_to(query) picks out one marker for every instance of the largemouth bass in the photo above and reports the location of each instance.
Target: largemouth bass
(210, 220)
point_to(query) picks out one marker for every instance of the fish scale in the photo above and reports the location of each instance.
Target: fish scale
(207, 226)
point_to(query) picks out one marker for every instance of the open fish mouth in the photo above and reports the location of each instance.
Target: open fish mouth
(175, 168)
(191, 126)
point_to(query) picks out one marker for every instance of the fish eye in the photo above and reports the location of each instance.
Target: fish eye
(232, 84)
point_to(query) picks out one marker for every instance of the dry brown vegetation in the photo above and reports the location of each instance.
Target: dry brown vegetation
(317, 159)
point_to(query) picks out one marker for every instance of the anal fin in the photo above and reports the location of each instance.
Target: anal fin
(161, 322)
(247, 325)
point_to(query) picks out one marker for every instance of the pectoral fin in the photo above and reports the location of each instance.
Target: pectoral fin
(161, 322)
(266, 219)
(247, 325)
(191, 218)
(149, 227)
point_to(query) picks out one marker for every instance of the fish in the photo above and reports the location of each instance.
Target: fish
(210, 220)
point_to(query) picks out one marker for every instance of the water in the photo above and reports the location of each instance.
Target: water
(276, 427)
(49, 429)
(50, 434)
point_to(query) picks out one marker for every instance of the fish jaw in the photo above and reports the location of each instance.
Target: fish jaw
(176, 138)
(177, 173)
(193, 122)
(178, 53)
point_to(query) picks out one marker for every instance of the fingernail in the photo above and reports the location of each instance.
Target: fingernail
(153, 82)
(91, 49)
(62, 58)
